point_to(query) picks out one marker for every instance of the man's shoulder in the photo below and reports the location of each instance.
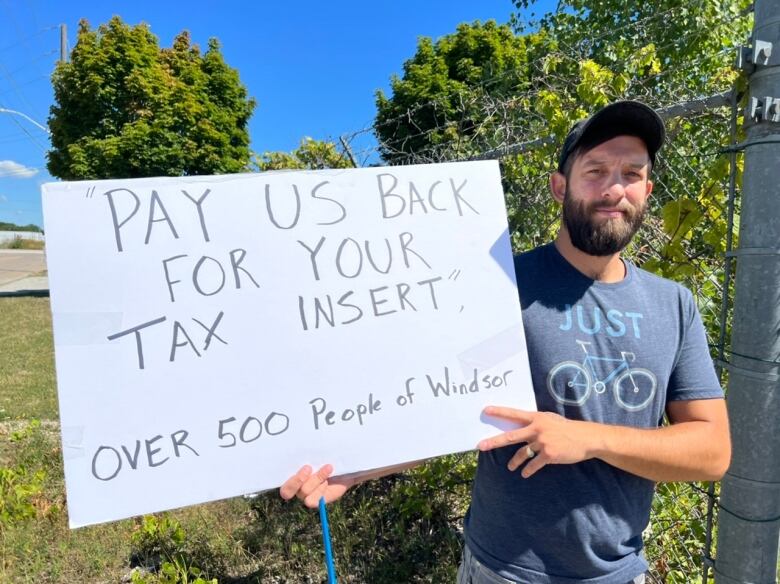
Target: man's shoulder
(531, 257)
(531, 264)
(658, 291)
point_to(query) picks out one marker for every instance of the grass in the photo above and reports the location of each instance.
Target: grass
(42, 549)
(377, 538)
(27, 386)
(21, 243)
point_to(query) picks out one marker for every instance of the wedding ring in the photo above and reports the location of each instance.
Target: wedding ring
(529, 452)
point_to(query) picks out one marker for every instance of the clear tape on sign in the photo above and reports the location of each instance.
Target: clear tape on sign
(85, 328)
(72, 442)
(494, 350)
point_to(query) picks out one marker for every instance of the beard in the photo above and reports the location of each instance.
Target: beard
(605, 237)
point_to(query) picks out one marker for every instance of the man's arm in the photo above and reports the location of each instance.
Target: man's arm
(695, 446)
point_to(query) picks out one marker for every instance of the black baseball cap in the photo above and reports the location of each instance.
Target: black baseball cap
(622, 118)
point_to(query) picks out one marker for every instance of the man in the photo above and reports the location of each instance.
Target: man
(612, 349)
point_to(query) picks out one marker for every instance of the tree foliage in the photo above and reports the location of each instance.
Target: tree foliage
(5, 226)
(555, 70)
(310, 155)
(427, 104)
(488, 86)
(124, 107)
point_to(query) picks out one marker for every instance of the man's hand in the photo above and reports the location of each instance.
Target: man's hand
(695, 446)
(309, 487)
(552, 438)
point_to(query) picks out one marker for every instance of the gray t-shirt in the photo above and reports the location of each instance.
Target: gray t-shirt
(611, 353)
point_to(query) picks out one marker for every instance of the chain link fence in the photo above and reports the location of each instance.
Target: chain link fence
(689, 230)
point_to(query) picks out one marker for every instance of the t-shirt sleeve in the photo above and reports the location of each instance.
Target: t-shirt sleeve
(693, 376)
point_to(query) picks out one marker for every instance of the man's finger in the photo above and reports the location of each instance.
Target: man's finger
(312, 501)
(507, 438)
(513, 414)
(314, 481)
(520, 458)
(536, 463)
(291, 486)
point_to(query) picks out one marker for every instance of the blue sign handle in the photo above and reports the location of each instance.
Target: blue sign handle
(326, 539)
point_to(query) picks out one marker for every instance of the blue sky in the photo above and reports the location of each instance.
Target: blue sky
(313, 67)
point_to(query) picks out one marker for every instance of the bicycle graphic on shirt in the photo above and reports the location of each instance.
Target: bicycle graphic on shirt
(572, 383)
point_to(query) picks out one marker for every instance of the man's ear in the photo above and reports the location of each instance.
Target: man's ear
(649, 189)
(558, 186)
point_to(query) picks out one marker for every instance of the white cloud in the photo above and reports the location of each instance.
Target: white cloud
(11, 169)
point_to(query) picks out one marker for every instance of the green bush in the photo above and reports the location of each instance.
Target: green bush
(161, 545)
(402, 528)
(675, 539)
(19, 490)
(22, 243)
(172, 573)
(22, 483)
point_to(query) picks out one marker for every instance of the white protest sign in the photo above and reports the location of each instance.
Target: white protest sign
(213, 334)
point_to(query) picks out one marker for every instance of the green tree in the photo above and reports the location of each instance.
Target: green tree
(651, 43)
(4, 226)
(485, 87)
(310, 155)
(437, 100)
(124, 107)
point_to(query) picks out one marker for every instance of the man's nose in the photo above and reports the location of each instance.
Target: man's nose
(615, 187)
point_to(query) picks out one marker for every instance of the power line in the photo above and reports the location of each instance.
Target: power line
(37, 79)
(33, 60)
(27, 38)
(25, 116)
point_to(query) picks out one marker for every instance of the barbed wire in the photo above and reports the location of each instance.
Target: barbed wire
(518, 124)
(571, 55)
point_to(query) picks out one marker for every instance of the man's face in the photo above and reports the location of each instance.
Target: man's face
(606, 195)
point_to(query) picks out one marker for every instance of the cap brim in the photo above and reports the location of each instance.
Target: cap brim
(625, 118)
(631, 118)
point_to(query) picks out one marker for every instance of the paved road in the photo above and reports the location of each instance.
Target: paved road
(20, 266)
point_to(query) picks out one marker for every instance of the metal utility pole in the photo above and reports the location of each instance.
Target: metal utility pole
(63, 43)
(749, 518)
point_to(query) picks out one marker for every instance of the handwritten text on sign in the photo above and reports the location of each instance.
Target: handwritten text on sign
(213, 334)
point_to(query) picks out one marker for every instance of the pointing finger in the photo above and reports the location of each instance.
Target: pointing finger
(512, 414)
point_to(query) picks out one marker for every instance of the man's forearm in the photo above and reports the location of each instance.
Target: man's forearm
(686, 451)
(696, 446)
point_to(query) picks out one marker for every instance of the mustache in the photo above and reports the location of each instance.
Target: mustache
(623, 206)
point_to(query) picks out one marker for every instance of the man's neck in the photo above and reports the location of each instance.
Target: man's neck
(607, 269)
